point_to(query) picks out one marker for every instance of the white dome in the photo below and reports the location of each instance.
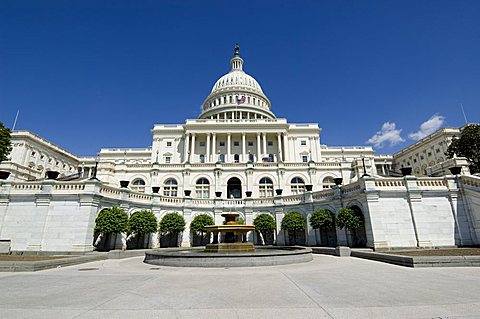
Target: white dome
(237, 79)
(236, 91)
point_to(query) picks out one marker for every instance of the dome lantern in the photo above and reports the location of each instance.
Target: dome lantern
(236, 92)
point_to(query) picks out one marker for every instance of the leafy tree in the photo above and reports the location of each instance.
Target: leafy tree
(468, 145)
(293, 221)
(141, 223)
(240, 220)
(5, 142)
(264, 224)
(171, 224)
(111, 221)
(198, 224)
(349, 219)
(322, 219)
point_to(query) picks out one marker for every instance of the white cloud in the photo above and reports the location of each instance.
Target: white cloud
(428, 127)
(388, 134)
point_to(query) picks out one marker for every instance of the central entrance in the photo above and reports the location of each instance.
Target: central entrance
(234, 188)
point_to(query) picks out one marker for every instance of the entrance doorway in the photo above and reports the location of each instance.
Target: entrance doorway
(234, 188)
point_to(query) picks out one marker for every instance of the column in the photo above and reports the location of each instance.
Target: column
(207, 155)
(244, 152)
(286, 158)
(192, 154)
(259, 155)
(187, 147)
(264, 135)
(214, 147)
(310, 139)
(229, 138)
(279, 147)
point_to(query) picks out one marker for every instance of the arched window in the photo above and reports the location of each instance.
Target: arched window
(202, 188)
(202, 158)
(236, 158)
(328, 182)
(221, 158)
(265, 187)
(270, 158)
(297, 185)
(251, 157)
(138, 185)
(170, 188)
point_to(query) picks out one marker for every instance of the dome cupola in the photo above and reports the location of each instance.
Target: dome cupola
(236, 95)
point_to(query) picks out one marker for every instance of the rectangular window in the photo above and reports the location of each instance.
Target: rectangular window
(303, 143)
(168, 159)
(236, 143)
(304, 158)
(270, 143)
(222, 143)
(250, 143)
(202, 144)
(169, 144)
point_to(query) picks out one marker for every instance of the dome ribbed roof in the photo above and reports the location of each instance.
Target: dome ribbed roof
(237, 79)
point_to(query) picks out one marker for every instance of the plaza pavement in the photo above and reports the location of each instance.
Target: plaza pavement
(327, 287)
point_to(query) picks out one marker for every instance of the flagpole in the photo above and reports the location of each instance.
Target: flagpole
(463, 111)
(15, 122)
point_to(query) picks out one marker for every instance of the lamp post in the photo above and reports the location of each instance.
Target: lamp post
(363, 164)
(94, 176)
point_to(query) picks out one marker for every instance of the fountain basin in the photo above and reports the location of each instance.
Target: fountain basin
(197, 257)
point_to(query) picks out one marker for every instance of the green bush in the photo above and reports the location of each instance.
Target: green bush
(293, 221)
(264, 224)
(347, 218)
(171, 224)
(111, 220)
(322, 219)
(198, 225)
(142, 222)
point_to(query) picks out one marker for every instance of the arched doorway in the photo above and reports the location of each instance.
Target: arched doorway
(234, 188)
(359, 236)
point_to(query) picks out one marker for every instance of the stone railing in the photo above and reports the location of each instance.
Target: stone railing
(110, 191)
(351, 188)
(471, 181)
(328, 193)
(263, 201)
(26, 186)
(203, 202)
(66, 186)
(390, 183)
(140, 196)
(431, 183)
(293, 199)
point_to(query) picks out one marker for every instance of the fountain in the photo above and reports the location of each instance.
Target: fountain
(233, 251)
(234, 235)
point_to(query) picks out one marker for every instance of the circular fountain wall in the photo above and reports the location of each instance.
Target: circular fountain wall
(197, 257)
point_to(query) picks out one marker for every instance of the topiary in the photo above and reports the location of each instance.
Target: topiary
(198, 224)
(264, 224)
(171, 224)
(293, 221)
(111, 220)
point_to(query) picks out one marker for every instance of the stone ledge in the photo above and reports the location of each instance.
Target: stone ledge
(17, 266)
(420, 261)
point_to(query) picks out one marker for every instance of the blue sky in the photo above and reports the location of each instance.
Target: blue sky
(91, 74)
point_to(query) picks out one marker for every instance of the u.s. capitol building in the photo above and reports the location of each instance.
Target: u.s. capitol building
(237, 155)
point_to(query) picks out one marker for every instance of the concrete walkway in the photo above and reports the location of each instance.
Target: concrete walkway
(327, 287)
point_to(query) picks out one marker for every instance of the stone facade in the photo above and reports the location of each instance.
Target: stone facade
(237, 155)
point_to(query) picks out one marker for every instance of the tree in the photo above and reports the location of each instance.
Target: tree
(111, 221)
(264, 224)
(322, 219)
(348, 219)
(171, 224)
(198, 225)
(468, 145)
(5, 142)
(293, 221)
(141, 223)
